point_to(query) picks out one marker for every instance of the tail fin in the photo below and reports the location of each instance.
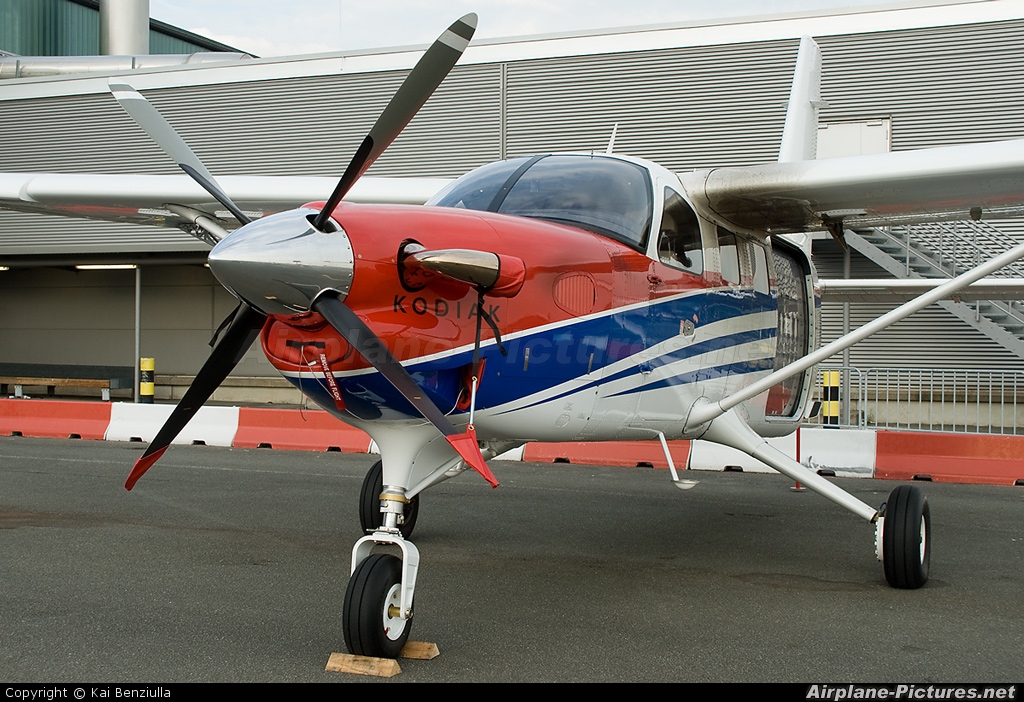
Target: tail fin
(800, 135)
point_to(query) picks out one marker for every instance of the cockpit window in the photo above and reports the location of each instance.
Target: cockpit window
(477, 189)
(602, 195)
(607, 196)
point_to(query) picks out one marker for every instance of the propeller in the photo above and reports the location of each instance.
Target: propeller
(160, 131)
(236, 340)
(419, 85)
(246, 322)
(243, 324)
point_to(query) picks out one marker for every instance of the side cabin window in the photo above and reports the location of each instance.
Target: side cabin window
(743, 261)
(760, 269)
(728, 256)
(679, 243)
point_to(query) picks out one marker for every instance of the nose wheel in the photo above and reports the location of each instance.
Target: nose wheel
(370, 517)
(373, 620)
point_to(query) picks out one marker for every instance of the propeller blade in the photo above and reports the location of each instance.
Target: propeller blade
(225, 356)
(419, 85)
(372, 348)
(161, 131)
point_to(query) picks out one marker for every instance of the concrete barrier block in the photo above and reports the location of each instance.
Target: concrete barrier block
(609, 453)
(847, 452)
(57, 419)
(297, 430)
(708, 456)
(214, 426)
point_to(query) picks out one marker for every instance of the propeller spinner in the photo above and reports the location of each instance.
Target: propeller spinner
(317, 271)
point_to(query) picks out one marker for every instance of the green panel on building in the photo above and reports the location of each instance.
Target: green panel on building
(72, 28)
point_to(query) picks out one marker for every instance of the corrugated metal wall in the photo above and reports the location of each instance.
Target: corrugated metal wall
(684, 108)
(312, 126)
(691, 107)
(950, 85)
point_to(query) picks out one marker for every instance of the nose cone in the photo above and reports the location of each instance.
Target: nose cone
(280, 263)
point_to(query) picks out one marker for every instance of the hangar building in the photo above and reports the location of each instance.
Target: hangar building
(898, 77)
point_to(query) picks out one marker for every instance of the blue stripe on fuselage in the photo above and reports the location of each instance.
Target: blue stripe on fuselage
(563, 353)
(702, 374)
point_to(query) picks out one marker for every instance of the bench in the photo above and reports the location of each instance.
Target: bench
(52, 376)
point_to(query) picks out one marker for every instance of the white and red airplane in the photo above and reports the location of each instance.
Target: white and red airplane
(557, 297)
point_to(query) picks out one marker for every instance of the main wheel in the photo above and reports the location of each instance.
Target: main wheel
(370, 517)
(906, 538)
(372, 621)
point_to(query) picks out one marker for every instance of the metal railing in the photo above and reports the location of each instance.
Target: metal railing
(953, 247)
(923, 399)
(946, 249)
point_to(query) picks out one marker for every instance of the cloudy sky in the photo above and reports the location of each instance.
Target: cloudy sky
(284, 27)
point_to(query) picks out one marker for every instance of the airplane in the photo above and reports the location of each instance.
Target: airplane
(555, 297)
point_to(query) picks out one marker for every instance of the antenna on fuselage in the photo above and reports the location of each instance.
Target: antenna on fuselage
(611, 141)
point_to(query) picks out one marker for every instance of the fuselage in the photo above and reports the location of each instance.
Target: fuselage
(621, 323)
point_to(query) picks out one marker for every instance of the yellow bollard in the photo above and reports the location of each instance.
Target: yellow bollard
(830, 397)
(147, 386)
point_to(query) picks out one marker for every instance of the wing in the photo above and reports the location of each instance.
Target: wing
(979, 181)
(168, 200)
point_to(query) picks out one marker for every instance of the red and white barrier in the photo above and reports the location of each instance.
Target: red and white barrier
(897, 455)
(950, 458)
(54, 419)
(608, 453)
(297, 430)
(845, 452)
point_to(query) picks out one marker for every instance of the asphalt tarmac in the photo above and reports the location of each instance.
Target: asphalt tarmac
(231, 565)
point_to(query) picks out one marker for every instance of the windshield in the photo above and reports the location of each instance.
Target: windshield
(604, 195)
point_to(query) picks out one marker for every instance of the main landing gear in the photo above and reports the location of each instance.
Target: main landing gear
(902, 524)
(906, 538)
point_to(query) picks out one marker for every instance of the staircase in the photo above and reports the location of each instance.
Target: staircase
(944, 250)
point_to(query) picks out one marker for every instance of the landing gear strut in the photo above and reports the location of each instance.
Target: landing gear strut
(370, 517)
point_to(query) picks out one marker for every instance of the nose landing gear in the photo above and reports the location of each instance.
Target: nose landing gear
(374, 622)
(370, 517)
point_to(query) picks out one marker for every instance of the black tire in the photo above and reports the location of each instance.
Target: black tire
(370, 517)
(373, 588)
(906, 538)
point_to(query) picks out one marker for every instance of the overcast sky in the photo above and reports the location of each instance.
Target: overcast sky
(284, 27)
